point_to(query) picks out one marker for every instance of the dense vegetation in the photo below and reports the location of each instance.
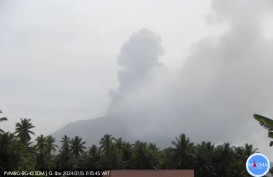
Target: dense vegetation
(17, 151)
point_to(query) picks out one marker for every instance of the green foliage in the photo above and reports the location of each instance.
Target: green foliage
(106, 144)
(2, 119)
(64, 158)
(9, 155)
(23, 130)
(203, 162)
(183, 152)
(144, 156)
(207, 159)
(77, 146)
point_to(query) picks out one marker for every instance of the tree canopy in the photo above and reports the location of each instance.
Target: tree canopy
(207, 159)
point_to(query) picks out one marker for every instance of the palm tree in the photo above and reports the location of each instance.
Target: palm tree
(42, 150)
(2, 119)
(183, 151)
(41, 145)
(106, 143)
(51, 147)
(23, 130)
(249, 150)
(143, 157)
(154, 154)
(119, 142)
(167, 159)
(203, 163)
(9, 153)
(139, 154)
(65, 141)
(125, 149)
(224, 158)
(64, 159)
(77, 146)
(238, 166)
(65, 148)
(94, 158)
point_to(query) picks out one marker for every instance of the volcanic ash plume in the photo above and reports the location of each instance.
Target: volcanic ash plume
(138, 57)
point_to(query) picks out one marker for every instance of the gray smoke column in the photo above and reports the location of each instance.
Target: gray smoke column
(138, 57)
(223, 82)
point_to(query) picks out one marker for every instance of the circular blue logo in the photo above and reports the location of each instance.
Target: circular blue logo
(257, 165)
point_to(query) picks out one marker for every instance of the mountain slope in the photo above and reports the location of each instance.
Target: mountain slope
(92, 130)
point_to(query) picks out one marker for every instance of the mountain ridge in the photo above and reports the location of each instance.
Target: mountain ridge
(92, 130)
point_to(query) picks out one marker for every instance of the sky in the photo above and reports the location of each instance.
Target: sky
(162, 67)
